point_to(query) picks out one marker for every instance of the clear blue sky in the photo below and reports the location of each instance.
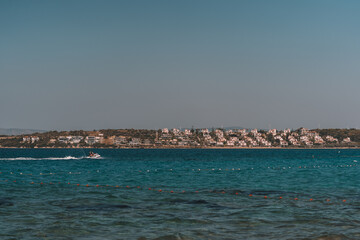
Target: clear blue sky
(153, 64)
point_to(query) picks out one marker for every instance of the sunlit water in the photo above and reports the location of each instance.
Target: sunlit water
(179, 194)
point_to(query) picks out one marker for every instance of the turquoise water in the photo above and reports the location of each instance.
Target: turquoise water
(205, 194)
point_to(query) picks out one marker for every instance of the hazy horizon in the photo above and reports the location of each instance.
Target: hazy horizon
(67, 65)
(22, 131)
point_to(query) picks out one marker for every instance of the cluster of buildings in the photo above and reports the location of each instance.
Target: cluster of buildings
(200, 138)
(245, 138)
(68, 139)
(30, 139)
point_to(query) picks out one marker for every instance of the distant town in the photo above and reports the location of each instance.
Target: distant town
(187, 138)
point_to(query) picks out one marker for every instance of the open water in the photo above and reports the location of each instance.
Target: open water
(180, 194)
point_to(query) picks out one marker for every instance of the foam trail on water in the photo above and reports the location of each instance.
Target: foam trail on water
(48, 158)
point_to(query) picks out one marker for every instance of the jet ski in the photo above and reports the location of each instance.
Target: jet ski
(93, 155)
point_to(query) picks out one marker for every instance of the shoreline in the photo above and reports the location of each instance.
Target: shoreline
(170, 148)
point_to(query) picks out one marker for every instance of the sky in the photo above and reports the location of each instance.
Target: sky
(67, 65)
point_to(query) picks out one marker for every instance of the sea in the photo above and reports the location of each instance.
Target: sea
(167, 194)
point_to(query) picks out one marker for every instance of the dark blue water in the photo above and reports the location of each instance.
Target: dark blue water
(179, 194)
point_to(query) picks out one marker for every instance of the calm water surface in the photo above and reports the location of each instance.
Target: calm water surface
(205, 194)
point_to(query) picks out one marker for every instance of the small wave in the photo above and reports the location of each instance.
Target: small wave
(97, 158)
(48, 158)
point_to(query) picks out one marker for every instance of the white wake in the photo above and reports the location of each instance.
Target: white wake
(47, 158)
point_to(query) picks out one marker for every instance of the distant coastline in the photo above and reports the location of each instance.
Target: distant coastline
(188, 148)
(19, 131)
(301, 138)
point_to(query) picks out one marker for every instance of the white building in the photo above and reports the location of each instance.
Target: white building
(92, 139)
(135, 142)
(254, 131)
(278, 138)
(120, 140)
(63, 139)
(242, 131)
(229, 132)
(230, 143)
(318, 140)
(304, 138)
(187, 132)
(219, 133)
(74, 139)
(219, 144)
(242, 143)
(31, 139)
(293, 141)
(303, 131)
(272, 131)
(234, 139)
(175, 131)
(331, 139)
(287, 131)
(205, 131)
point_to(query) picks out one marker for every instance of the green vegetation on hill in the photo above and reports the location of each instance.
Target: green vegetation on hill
(340, 134)
(136, 133)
